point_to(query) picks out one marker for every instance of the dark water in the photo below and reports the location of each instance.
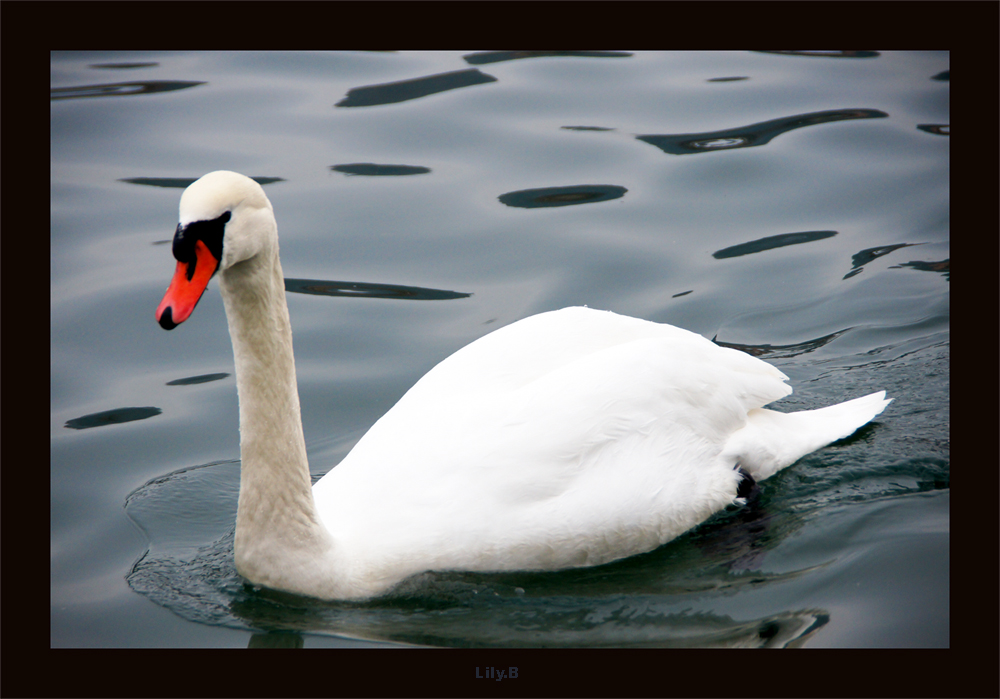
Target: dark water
(795, 206)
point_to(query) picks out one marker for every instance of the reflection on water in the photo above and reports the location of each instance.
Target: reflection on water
(405, 90)
(124, 66)
(860, 259)
(829, 54)
(587, 128)
(783, 351)
(865, 256)
(184, 182)
(562, 196)
(484, 57)
(191, 380)
(111, 417)
(321, 287)
(771, 242)
(942, 266)
(375, 170)
(754, 134)
(120, 89)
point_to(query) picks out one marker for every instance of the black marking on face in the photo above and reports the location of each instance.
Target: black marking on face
(210, 233)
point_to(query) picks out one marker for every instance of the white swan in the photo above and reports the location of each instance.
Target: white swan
(570, 438)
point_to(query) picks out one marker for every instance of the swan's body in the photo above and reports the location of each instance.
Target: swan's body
(570, 438)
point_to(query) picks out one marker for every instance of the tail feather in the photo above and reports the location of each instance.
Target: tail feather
(770, 440)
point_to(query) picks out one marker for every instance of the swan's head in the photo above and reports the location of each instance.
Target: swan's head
(225, 219)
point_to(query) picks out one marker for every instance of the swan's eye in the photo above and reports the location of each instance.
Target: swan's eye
(209, 232)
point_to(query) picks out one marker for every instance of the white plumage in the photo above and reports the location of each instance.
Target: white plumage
(570, 438)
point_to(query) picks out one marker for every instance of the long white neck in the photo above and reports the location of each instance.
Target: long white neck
(280, 541)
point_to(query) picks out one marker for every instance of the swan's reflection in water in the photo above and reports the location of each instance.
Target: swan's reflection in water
(788, 630)
(660, 599)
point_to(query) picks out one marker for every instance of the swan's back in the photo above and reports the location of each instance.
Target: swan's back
(569, 438)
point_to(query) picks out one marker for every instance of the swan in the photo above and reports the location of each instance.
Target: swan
(570, 438)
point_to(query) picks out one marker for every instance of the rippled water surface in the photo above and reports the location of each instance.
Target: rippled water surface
(794, 206)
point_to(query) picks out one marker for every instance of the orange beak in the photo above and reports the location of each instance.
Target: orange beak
(185, 290)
